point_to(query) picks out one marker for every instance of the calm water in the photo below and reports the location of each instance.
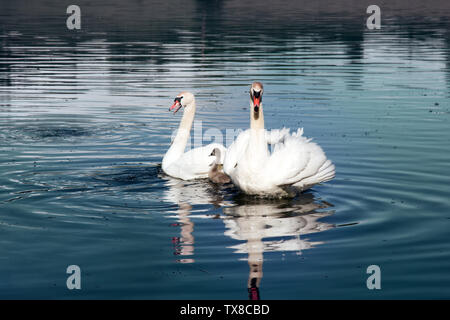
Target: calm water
(84, 125)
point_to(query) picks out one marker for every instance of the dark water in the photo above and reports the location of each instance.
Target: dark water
(84, 125)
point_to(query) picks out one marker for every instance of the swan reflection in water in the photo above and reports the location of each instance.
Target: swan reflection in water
(186, 194)
(280, 222)
(260, 225)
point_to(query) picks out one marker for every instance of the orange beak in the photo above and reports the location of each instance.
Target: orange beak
(256, 101)
(176, 105)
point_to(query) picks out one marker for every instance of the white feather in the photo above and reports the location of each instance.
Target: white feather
(295, 161)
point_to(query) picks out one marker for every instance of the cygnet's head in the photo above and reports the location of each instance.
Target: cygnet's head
(216, 153)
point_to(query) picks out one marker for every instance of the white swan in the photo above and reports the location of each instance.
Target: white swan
(295, 163)
(195, 163)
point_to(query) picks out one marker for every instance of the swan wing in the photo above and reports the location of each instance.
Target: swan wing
(235, 152)
(299, 162)
(275, 136)
(195, 163)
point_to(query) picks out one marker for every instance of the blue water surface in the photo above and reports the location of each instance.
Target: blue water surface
(84, 126)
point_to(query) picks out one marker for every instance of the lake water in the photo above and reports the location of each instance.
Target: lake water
(84, 124)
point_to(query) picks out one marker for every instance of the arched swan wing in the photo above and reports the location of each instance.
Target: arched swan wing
(235, 151)
(294, 159)
(195, 163)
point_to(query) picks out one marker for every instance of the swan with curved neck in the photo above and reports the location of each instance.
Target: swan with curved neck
(195, 163)
(295, 164)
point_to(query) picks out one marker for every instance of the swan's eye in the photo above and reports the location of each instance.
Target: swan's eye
(178, 99)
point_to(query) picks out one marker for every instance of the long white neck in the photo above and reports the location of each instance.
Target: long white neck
(179, 143)
(256, 119)
(257, 143)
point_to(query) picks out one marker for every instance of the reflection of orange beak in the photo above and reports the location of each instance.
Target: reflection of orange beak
(176, 105)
